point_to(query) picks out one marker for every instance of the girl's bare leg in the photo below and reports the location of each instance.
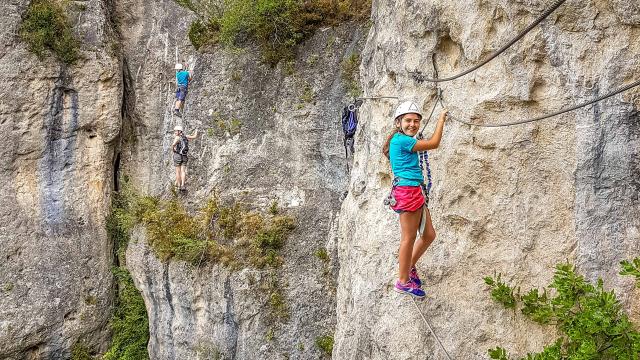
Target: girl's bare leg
(409, 223)
(178, 176)
(424, 241)
(184, 175)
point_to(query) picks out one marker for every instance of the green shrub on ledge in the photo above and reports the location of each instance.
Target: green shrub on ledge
(228, 234)
(277, 26)
(590, 319)
(45, 27)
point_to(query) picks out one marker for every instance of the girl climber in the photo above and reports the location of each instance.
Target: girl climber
(401, 148)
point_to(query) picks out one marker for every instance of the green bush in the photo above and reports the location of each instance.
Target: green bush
(325, 344)
(45, 27)
(201, 33)
(322, 254)
(227, 234)
(277, 26)
(591, 320)
(631, 268)
(80, 351)
(129, 321)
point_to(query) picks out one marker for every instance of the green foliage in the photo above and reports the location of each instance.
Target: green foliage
(270, 335)
(322, 254)
(631, 268)
(45, 27)
(325, 344)
(350, 75)
(80, 351)
(590, 319)
(188, 4)
(222, 127)
(90, 300)
(277, 307)
(273, 208)
(307, 94)
(201, 33)
(501, 292)
(227, 234)
(129, 321)
(277, 26)
(498, 353)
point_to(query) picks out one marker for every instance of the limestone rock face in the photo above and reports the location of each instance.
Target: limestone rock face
(265, 134)
(60, 125)
(513, 200)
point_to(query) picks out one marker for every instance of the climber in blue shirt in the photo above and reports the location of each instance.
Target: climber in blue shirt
(183, 77)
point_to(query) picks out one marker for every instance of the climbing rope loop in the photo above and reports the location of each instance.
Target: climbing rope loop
(496, 53)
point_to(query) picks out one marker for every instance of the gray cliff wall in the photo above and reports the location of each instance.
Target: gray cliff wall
(513, 200)
(289, 149)
(60, 126)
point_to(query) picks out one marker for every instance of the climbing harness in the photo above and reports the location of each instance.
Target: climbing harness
(544, 15)
(431, 329)
(559, 112)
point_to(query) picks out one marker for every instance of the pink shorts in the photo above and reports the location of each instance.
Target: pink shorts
(408, 198)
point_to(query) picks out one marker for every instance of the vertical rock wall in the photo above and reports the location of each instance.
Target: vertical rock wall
(60, 125)
(512, 200)
(286, 146)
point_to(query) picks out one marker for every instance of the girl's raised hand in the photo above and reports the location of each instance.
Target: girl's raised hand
(444, 113)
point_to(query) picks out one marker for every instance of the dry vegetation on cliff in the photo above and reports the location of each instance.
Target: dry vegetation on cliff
(277, 26)
(226, 234)
(45, 27)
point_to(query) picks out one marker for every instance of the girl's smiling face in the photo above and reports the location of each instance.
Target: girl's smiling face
(410, 124)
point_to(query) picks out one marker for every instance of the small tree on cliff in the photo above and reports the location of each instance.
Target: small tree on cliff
(591, 320)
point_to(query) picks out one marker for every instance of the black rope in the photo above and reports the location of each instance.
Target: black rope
(438, 99)
(505, 47)
(559, 112)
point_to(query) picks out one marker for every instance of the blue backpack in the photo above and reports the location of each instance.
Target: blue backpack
(349, 127)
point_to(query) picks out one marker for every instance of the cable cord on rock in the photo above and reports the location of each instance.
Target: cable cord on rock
(504, 48)
(431, 329)
(559, 112)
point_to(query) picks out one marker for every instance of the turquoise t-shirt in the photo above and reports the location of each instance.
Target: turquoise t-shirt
(404, 162)
(183, 78)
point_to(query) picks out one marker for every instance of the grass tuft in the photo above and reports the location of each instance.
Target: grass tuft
(45, 27)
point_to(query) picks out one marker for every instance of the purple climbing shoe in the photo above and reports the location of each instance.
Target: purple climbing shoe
(410, 288)
(413, 276)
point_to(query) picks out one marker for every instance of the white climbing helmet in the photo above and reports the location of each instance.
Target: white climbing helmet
(178, 128)
(407, 107)
(178, 66)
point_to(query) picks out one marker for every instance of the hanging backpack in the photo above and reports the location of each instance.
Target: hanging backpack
(182, 147)
(349, 127)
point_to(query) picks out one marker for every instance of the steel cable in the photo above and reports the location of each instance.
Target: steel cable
(431, 329)
(504, 48)
(559, 112)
